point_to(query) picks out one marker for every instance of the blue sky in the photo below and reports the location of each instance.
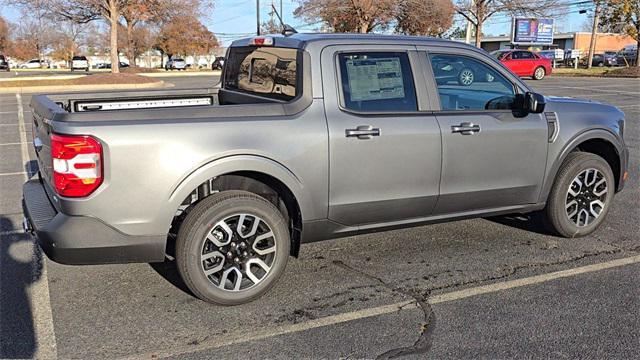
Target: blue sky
(232, 19)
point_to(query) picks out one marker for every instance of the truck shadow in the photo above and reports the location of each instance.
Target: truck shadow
(169, 271)
(17, 334)
(533, 222)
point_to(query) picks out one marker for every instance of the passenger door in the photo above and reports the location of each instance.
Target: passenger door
(384, 153)
(492, 157)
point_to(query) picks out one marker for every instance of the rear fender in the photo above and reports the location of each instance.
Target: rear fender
(238, 163)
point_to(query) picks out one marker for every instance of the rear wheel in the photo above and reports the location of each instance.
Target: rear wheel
(581, 195)
(539, 73)
(232, 247)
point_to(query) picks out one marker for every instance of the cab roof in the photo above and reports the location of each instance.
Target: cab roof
(302, 40)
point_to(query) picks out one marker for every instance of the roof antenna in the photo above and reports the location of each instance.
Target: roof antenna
(286, 29)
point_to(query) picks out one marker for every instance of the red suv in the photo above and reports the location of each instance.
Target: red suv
(524, 63)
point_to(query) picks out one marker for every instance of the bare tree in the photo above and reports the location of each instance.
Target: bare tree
(477, 12)
(4, 34)
(361, 16)
(424, 17)
(623, 16)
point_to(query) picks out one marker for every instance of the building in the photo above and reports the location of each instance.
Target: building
(565, 41)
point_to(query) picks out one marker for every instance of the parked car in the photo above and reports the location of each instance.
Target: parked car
(34, 64)
(175, 64)
(547, 54)
(525, 63)
(218, 63)
(627, 56)
(108, 65)
(610, 58)
(310, 137)
(598, 60)
(79, 63)
(4, 63)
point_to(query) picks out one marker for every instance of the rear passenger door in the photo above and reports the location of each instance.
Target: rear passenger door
(384, 150)
(492, 157)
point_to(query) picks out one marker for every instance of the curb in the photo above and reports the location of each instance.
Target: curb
(52, 77)
(181, 73)
(72, 88)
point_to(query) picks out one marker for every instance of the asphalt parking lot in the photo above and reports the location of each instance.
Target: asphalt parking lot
(484, 288)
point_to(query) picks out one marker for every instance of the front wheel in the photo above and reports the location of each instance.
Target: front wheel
(539, 73)
(581, 195)
(232, 247)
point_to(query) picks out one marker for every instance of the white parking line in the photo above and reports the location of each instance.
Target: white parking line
(39, 290)
(14, 143)
(14, 174)
(628, 106)
(592, 89)
(247, 336)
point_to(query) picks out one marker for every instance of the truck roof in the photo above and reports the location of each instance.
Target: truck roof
(301, 40)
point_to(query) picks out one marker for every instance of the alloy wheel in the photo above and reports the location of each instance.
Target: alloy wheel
(586, 197)
(466, 77)
(238, 252)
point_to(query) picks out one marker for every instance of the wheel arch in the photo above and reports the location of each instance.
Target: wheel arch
(256, 174)
(600, 142)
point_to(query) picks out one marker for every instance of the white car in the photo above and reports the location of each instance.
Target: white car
(33, 64)
(79, 63)
(176, 64)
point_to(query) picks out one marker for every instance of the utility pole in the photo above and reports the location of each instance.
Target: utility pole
(469, 28)
(281, 13)
(258, 17)
(594, 34)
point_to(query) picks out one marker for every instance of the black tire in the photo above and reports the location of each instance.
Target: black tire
(539, 73)
(200, 224)
(557, 211)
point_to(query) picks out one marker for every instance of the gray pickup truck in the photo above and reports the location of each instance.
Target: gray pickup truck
(311, 137)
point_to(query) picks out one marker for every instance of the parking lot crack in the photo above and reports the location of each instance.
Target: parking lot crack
(425, 340)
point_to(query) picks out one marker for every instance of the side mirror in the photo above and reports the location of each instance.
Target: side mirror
(534, 103)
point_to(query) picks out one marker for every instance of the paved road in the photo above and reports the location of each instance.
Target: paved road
(466, 289)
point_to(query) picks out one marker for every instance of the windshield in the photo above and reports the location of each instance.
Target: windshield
(266, 71)
(79, 58)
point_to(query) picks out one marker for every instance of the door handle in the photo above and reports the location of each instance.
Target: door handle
(466, 128)
(363, 132)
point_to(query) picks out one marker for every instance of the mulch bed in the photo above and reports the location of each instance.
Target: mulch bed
(633, 71)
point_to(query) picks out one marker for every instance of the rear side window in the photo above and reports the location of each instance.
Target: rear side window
(266, 71)
(377, 81)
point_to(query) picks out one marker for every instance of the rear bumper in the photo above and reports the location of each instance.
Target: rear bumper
(82, 240)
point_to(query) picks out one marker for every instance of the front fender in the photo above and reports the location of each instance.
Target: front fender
(237, 163)
(589, 134)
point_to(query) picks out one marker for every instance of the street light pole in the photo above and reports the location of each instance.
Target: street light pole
(258, 17)
(594, 34)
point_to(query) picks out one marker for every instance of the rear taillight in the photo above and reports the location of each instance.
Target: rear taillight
(77, 164)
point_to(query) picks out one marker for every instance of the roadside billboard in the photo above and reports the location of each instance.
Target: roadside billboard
(531, 31)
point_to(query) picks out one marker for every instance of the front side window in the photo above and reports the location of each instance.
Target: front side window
(266, 71)
(377, 82)
(468, 84)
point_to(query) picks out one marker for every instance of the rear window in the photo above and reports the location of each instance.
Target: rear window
(266, 71)
(79, 58)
